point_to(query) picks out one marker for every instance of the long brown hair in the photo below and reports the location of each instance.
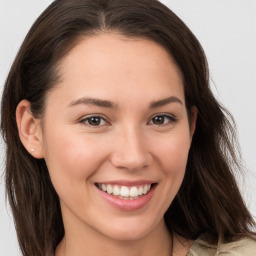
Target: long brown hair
(208, 200)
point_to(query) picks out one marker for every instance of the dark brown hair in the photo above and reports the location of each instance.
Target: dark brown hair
(208, 200)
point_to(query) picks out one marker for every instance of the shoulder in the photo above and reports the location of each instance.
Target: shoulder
(245, 246)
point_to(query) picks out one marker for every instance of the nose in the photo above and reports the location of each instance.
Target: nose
(130, 150)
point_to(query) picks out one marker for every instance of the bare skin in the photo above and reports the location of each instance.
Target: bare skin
(118, 115)
(181, 247)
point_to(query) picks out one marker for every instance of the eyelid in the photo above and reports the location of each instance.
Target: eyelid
(85, 118)
(172, 118)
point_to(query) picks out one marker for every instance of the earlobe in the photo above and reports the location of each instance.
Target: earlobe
(30, 131)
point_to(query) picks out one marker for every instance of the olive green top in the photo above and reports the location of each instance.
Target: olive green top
(243, 247)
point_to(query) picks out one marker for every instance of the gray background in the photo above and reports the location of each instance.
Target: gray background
(227, 32)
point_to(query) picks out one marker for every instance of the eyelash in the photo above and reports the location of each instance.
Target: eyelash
(87, 119)
(171, 120)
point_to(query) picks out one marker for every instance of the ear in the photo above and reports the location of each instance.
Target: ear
(193, 119)
(30, 130)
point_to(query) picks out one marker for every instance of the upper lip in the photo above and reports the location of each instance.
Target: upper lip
(127, 182)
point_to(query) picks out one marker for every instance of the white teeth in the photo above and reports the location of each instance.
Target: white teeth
(104, 187)
(116, 191)
(133, 192)
(140, 191)
(125, 192)
(145, 189)
(109, 189)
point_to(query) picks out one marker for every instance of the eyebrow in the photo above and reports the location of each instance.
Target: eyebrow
(94, 102)
(166, 101)
(108, 104)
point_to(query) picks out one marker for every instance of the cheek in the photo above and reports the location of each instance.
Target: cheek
(71, 160)
(173, 154)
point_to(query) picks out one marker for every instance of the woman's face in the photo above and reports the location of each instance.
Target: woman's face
(116, 121)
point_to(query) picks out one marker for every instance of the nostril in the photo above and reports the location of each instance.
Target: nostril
(130, 161)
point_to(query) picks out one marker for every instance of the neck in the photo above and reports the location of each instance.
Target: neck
(93, 243)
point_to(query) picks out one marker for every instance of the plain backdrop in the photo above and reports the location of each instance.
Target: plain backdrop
(227, 32)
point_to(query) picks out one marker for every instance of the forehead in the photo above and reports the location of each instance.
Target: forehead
(112, 64)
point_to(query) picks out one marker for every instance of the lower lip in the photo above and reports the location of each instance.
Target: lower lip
(128, 205)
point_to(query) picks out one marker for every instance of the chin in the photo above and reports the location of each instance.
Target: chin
(127, 231)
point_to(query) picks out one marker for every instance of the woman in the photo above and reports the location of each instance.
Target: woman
(115, 143)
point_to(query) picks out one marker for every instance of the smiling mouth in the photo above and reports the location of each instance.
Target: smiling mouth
(125, 192)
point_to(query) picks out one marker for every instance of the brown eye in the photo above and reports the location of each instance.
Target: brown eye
(158, 120)
(94, 121)
(162, 119)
